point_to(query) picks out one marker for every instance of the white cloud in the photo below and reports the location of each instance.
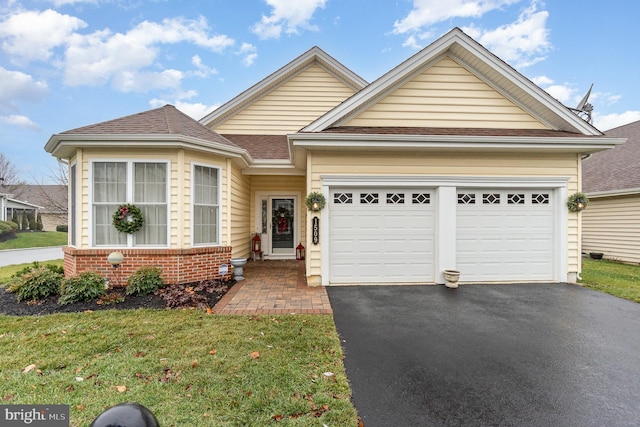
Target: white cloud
(563, 93)
(19, 121)
(201, 69)
(605, 122)
(194, 110)
(428, 12)
(249, 54)
(521, 43)
(541, 80)
(16, 86)
(102, 56)
(32, 35)
(288, 16)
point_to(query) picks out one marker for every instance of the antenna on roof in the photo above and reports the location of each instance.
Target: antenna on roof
(584, 109)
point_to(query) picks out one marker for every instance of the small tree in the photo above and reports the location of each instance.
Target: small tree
(39, 225)
(14, 217)
(24, 225)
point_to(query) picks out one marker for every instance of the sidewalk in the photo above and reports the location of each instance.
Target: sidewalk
(25, 256)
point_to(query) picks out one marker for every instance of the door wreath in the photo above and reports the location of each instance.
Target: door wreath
(128, 219)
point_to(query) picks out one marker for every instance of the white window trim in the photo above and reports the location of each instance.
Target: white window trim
(129, 163)
(445, 189)
(218, 168)
(74, 216)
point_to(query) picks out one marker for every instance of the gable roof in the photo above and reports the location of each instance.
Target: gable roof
(479, 61)
(615, 171)
(315, 55)
(161, 127)
(49, 198)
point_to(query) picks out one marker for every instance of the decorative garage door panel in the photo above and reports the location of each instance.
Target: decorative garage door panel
(505, 235)
(381, 236)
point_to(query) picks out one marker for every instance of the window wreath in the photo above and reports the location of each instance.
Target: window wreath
(577, 202)
(315, 201)
(128, 219)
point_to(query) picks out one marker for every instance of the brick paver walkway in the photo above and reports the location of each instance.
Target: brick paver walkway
(274, 287)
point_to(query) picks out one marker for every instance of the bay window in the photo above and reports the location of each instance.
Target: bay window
(141, 183)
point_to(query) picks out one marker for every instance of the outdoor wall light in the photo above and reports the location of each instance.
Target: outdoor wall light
(115, 259)
(577, 202)
(315, 201)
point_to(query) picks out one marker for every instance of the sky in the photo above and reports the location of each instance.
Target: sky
(70, 63)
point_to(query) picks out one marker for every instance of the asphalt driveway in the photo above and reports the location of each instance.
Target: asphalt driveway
(490, 355)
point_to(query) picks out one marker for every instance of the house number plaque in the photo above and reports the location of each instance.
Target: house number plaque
(315, 226)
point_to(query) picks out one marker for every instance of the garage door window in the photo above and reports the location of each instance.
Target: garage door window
(515, 199)
(466, 199)
(369, 198)
(395, 198)
(540, 199)
(343, 198)
(421, 198)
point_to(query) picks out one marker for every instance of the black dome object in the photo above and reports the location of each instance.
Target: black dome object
(126, 415)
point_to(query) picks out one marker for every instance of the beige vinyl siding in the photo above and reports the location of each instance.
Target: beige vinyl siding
(446, 95)
(240, 212)
(290, 106)
(611, 225)
(448, 164)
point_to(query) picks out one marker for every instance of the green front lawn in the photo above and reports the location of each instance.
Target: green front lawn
(36, 239)
(614, 278)
(189, 368)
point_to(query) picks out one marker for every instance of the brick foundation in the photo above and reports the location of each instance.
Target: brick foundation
(178, 265)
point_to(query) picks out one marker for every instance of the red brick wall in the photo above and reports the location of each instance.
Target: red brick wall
(177, 265)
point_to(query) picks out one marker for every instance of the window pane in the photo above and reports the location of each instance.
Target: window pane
(154, 231)
(150, 182)
(104, 231)
(110, 182)
(205, 205)
(205, 224)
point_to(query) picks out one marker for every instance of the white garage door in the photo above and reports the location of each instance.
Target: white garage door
(505, 235)
(381, 236)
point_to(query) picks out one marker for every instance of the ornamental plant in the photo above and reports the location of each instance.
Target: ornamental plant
(37, 284)
(83, 287)
(144, 281)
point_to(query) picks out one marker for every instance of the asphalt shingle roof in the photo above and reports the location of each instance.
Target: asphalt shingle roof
(265, 147)
(615, 169)
(167, 120)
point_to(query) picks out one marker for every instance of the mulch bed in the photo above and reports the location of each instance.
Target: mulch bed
(174, 296)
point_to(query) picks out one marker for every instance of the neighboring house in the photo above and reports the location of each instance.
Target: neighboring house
(51, 201)
(9, 206)
(611, 222)
(451, 160)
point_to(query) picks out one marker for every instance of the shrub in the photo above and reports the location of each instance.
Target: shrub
(38, 283)
(145, 281)
(8, 230)
(83, 287)
(35, 265)
(63, 228)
